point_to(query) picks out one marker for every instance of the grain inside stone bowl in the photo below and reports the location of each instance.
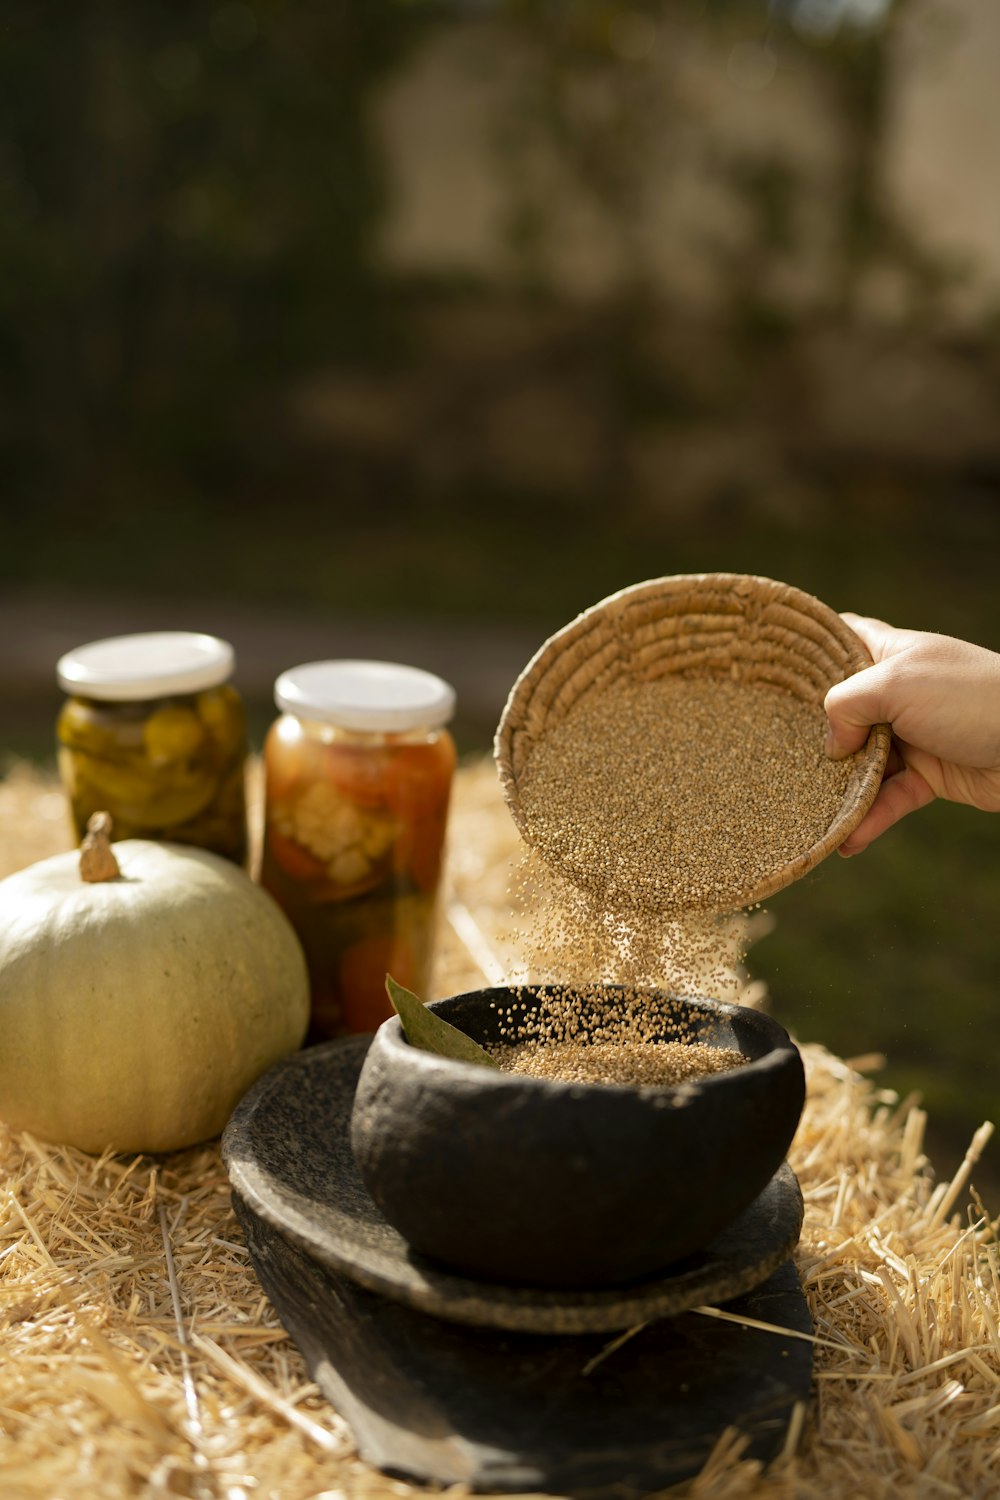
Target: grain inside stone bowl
(622, 1064)
(612, 1035)
(666, 751)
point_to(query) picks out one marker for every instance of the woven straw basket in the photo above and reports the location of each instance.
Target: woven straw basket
(703, 625)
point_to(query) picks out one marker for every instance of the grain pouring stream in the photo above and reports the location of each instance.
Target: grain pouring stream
(648, 811)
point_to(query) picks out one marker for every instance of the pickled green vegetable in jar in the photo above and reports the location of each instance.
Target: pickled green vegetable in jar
(154, 733)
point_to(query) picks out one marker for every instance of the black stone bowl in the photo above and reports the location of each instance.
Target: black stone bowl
(533, 1182)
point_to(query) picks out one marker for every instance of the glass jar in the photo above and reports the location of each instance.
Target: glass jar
(358, 773)
(154, 733)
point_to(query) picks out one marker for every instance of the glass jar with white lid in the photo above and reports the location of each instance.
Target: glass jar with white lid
(153, 732)
(358, 773)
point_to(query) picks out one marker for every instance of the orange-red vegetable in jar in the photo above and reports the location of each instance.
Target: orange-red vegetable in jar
(358, 773)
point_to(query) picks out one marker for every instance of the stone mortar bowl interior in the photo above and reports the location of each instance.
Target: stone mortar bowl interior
(541, 1183)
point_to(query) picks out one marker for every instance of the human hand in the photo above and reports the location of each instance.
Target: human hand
(942, 699)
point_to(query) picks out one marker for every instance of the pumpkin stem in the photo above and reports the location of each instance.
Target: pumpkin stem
(97, 862)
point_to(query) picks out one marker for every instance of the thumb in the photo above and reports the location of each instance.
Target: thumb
(854, 705)
(881, 639)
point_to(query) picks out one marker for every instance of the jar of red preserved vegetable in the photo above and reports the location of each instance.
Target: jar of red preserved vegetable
(154, 733)
(358, 773)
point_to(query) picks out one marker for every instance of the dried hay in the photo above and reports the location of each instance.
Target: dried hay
(138, 1356)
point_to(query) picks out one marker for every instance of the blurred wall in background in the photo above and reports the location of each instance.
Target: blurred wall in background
(698, 135)
(367, 307)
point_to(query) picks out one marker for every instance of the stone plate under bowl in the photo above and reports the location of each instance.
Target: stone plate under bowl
(531, 1181)
(288, 1153)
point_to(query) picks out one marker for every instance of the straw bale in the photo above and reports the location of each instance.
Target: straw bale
(138, 1356)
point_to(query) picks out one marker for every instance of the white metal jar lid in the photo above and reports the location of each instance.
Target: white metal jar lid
(128, 668)
(365, 695)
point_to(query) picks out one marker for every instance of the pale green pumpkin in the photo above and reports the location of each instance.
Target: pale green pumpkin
(136, 1010)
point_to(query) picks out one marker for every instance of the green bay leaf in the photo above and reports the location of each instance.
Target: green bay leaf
(423, 1028)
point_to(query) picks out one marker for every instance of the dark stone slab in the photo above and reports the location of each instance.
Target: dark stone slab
(435, 1402)
(287, 1149)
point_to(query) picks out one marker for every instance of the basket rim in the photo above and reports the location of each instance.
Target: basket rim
(868, 763)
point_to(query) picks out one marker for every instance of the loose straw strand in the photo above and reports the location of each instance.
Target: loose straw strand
(187, 1379)
(949, 1197)
(269, 1397)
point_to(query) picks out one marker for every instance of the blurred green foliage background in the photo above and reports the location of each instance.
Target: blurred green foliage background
(224, 375)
